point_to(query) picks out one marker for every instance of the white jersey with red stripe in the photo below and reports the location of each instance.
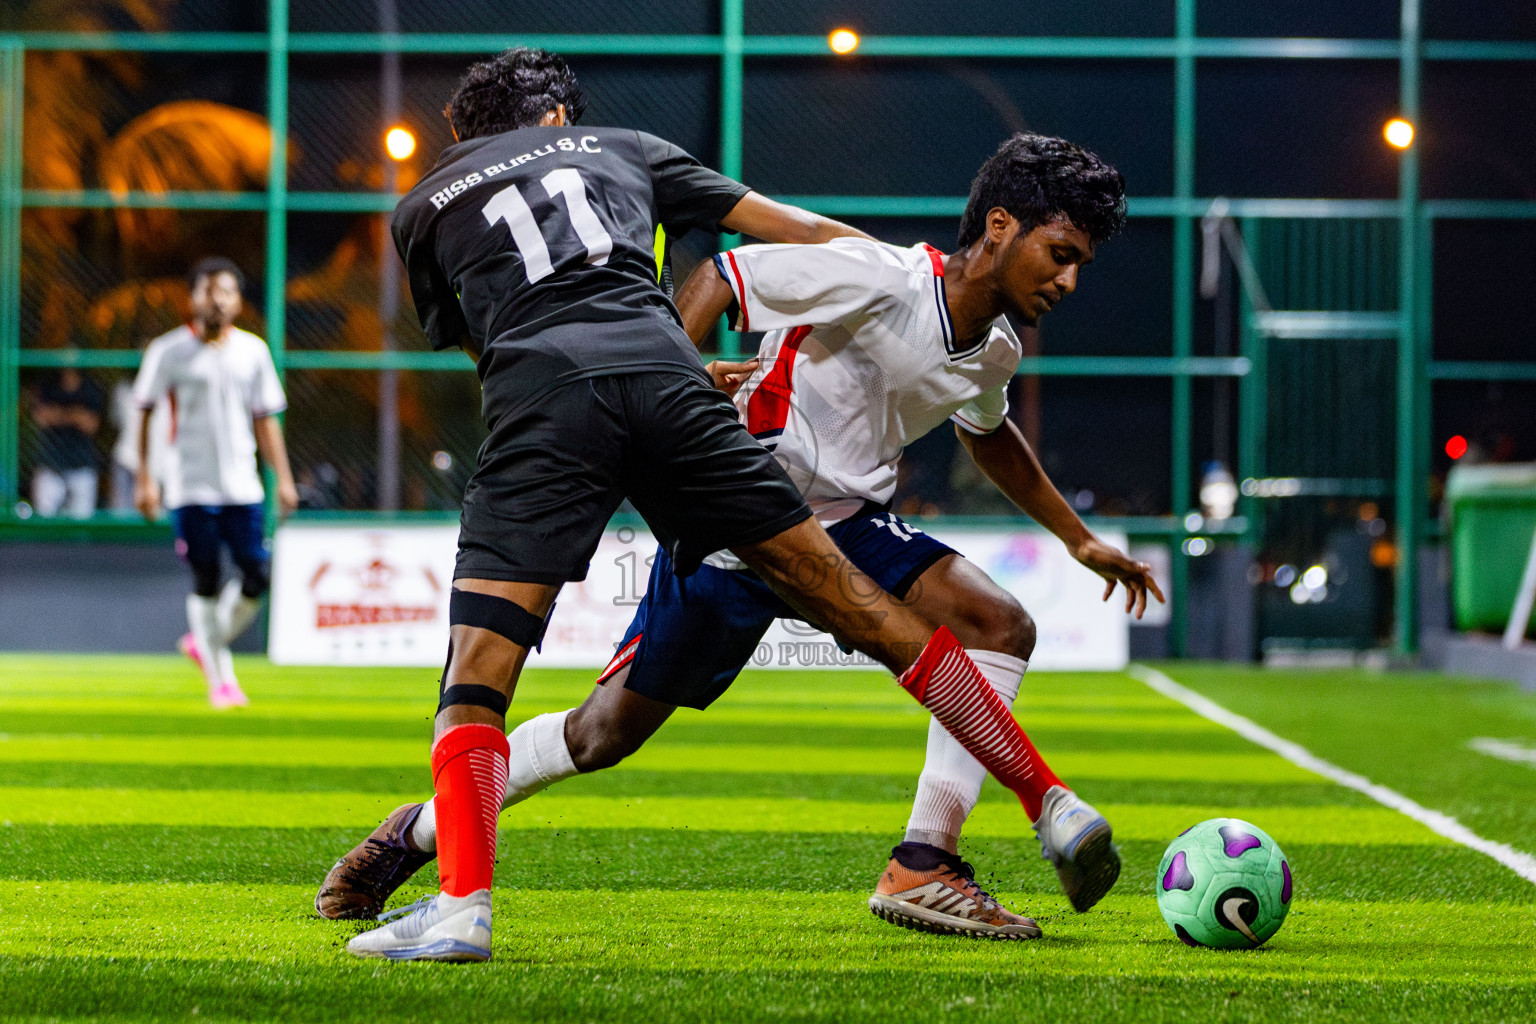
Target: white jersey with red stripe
(861, 360)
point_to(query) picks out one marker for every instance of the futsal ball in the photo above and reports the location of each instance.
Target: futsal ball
(1224, 883)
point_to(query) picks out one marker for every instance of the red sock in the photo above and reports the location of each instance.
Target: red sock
(469, 772)
(946, 682)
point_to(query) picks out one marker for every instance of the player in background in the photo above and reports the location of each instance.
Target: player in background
(871, 346)
(531, 245)
(224, 398)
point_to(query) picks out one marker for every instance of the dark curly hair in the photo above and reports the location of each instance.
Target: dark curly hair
(513, 90)
(211, 266)
(1038, 178)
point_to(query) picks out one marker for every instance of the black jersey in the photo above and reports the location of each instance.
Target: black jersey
(537, 247)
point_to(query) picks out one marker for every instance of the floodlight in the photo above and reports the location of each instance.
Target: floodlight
(1399, 133)
(399, 143)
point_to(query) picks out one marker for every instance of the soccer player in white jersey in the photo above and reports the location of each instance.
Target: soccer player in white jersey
(224, 397)
(871, 346)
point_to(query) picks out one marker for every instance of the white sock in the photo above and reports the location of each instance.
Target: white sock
(236, 612)
(951, 780)
(539, 759)
(226, 662)
(203, 623)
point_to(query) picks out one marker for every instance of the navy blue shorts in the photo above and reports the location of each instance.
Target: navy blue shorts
(200, 529)
(691, 637)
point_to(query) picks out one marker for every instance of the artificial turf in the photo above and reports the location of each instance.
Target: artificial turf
(158, 859)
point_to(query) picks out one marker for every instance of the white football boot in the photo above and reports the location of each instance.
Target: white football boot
(440, 927)
(1077, 840)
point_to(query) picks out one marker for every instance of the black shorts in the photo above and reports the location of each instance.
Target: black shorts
(552, 473)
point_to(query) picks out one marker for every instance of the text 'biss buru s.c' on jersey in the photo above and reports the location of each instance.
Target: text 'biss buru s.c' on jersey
(586, 144)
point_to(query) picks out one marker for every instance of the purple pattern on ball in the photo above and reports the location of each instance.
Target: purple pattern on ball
(1237, 841)
(1178, 876)
(1285, 890)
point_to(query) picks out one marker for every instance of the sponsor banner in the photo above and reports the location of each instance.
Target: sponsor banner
(350, 595)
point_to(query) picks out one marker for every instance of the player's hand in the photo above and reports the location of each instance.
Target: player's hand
(1112, 564)
(146, 497)
(729, 377)
(287, 498)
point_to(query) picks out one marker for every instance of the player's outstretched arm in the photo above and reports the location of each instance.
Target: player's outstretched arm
(1005, 458)
(772, 221)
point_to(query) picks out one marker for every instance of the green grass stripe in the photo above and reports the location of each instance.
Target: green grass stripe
(1159, 711)
(159, 677)
(1033, 721)
(1076, 765)
(630, 781)
(879, 990)
(1347, 825)
(739, 930)
(655, 756)
(873, 731)
(207, 750)
(197, 706)
(650, 858)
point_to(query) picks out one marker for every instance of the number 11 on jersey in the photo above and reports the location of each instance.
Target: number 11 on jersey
(508, 205)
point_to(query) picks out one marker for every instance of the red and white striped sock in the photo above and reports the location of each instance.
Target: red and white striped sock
(469, 773)
(946, 682)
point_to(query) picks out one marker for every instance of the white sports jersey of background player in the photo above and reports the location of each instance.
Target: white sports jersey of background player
(215, 392)
(861, 360)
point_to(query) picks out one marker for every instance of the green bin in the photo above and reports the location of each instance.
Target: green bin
(1493, 519)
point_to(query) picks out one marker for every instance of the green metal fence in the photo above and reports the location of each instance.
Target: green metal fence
(1394, 311)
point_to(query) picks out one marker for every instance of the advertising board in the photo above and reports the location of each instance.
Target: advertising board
(356, 595)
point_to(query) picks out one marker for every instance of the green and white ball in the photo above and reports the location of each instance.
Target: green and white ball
(1224, 883)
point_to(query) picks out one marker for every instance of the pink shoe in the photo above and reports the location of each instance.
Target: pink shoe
(188, 646)
(228, 695)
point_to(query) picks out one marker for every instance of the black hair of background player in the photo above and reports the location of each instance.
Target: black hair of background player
(215, 265)
(514, 89)
(1038, 178)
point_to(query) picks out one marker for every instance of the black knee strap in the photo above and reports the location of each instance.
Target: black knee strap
(472, 693)
(497, 614)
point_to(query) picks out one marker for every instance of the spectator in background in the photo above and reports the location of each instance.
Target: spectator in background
(67, 412)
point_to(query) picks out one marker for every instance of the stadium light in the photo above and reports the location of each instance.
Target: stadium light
(843, 40)
(399, 143)
(1398, 133)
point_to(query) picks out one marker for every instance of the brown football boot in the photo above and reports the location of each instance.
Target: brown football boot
(362, 881)
(935, 891)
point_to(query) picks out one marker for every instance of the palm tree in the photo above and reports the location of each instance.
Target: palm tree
(69, 99)
(190, 145)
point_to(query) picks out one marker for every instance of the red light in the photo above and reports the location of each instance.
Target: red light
(1456, 447)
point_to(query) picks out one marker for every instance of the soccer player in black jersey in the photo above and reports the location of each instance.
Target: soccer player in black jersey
(530, 245)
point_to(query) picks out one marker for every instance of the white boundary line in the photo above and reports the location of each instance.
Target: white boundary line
(1522, 864)
(1504, 750)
